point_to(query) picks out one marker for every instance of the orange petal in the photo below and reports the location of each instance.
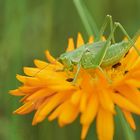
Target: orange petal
(135, 83)
(30, 81)
(131, 93)
(40, 64)
(23, 100)
(88, 115)
(48, 106)
(16, 92)
(129, 119)
(28, 89)
(80, 40)
(84, 132)
(21, 78)
(133, 75)
(31, 71)
(125, 103)
(62, 87)
(91, 109)
(26, 108)
(105, 125)
(136, 64)
(51, 59)
(40, 94)
(83, 102)
(103, 38)
(51, 75)
(75, 99)
(56, 112)
(70, 45)
(91, 39)
(106, 101)
(68, 114)
(131, 57)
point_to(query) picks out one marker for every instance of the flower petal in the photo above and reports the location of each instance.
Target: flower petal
(130, 119)
(131, 93)
(68, 114)
(48, 106)
(84, 132)
(75, 99)
(125, 103)
(16, 92)
(91, 109)
(40, 64)
(26, 108)
(45, 92)
(91, 39)
(70, 45)
(80, 40)
(31, 71)
(105, 125)
(106, 101)
(51, 59)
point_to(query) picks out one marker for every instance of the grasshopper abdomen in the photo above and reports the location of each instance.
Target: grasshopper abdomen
(115, 52)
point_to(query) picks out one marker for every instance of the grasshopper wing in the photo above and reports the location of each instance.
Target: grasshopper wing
(89, 58)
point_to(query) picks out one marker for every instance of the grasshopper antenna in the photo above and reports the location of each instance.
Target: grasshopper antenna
(57, 59)
(41, 70)
(130, 40)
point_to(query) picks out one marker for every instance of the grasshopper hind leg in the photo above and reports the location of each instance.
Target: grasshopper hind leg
(129, 39)
(108, 20)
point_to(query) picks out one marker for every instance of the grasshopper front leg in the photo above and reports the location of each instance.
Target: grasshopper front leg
(79, 66)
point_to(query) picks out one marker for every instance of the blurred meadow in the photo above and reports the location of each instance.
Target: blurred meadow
(27, 29)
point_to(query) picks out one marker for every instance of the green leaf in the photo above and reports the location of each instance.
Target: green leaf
(88, 21)
(128, 133)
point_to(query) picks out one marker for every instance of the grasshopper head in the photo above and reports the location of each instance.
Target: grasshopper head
(66, 61)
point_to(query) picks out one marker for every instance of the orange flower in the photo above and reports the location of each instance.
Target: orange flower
(49, 90)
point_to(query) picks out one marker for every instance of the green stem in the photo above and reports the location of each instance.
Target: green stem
(88, 21)
(129, 135)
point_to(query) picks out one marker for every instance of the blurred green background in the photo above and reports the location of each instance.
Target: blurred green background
(27, 29)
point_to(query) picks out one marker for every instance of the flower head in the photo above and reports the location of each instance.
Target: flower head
(48, 89)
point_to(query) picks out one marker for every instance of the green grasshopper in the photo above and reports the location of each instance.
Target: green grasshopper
(99, 54)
